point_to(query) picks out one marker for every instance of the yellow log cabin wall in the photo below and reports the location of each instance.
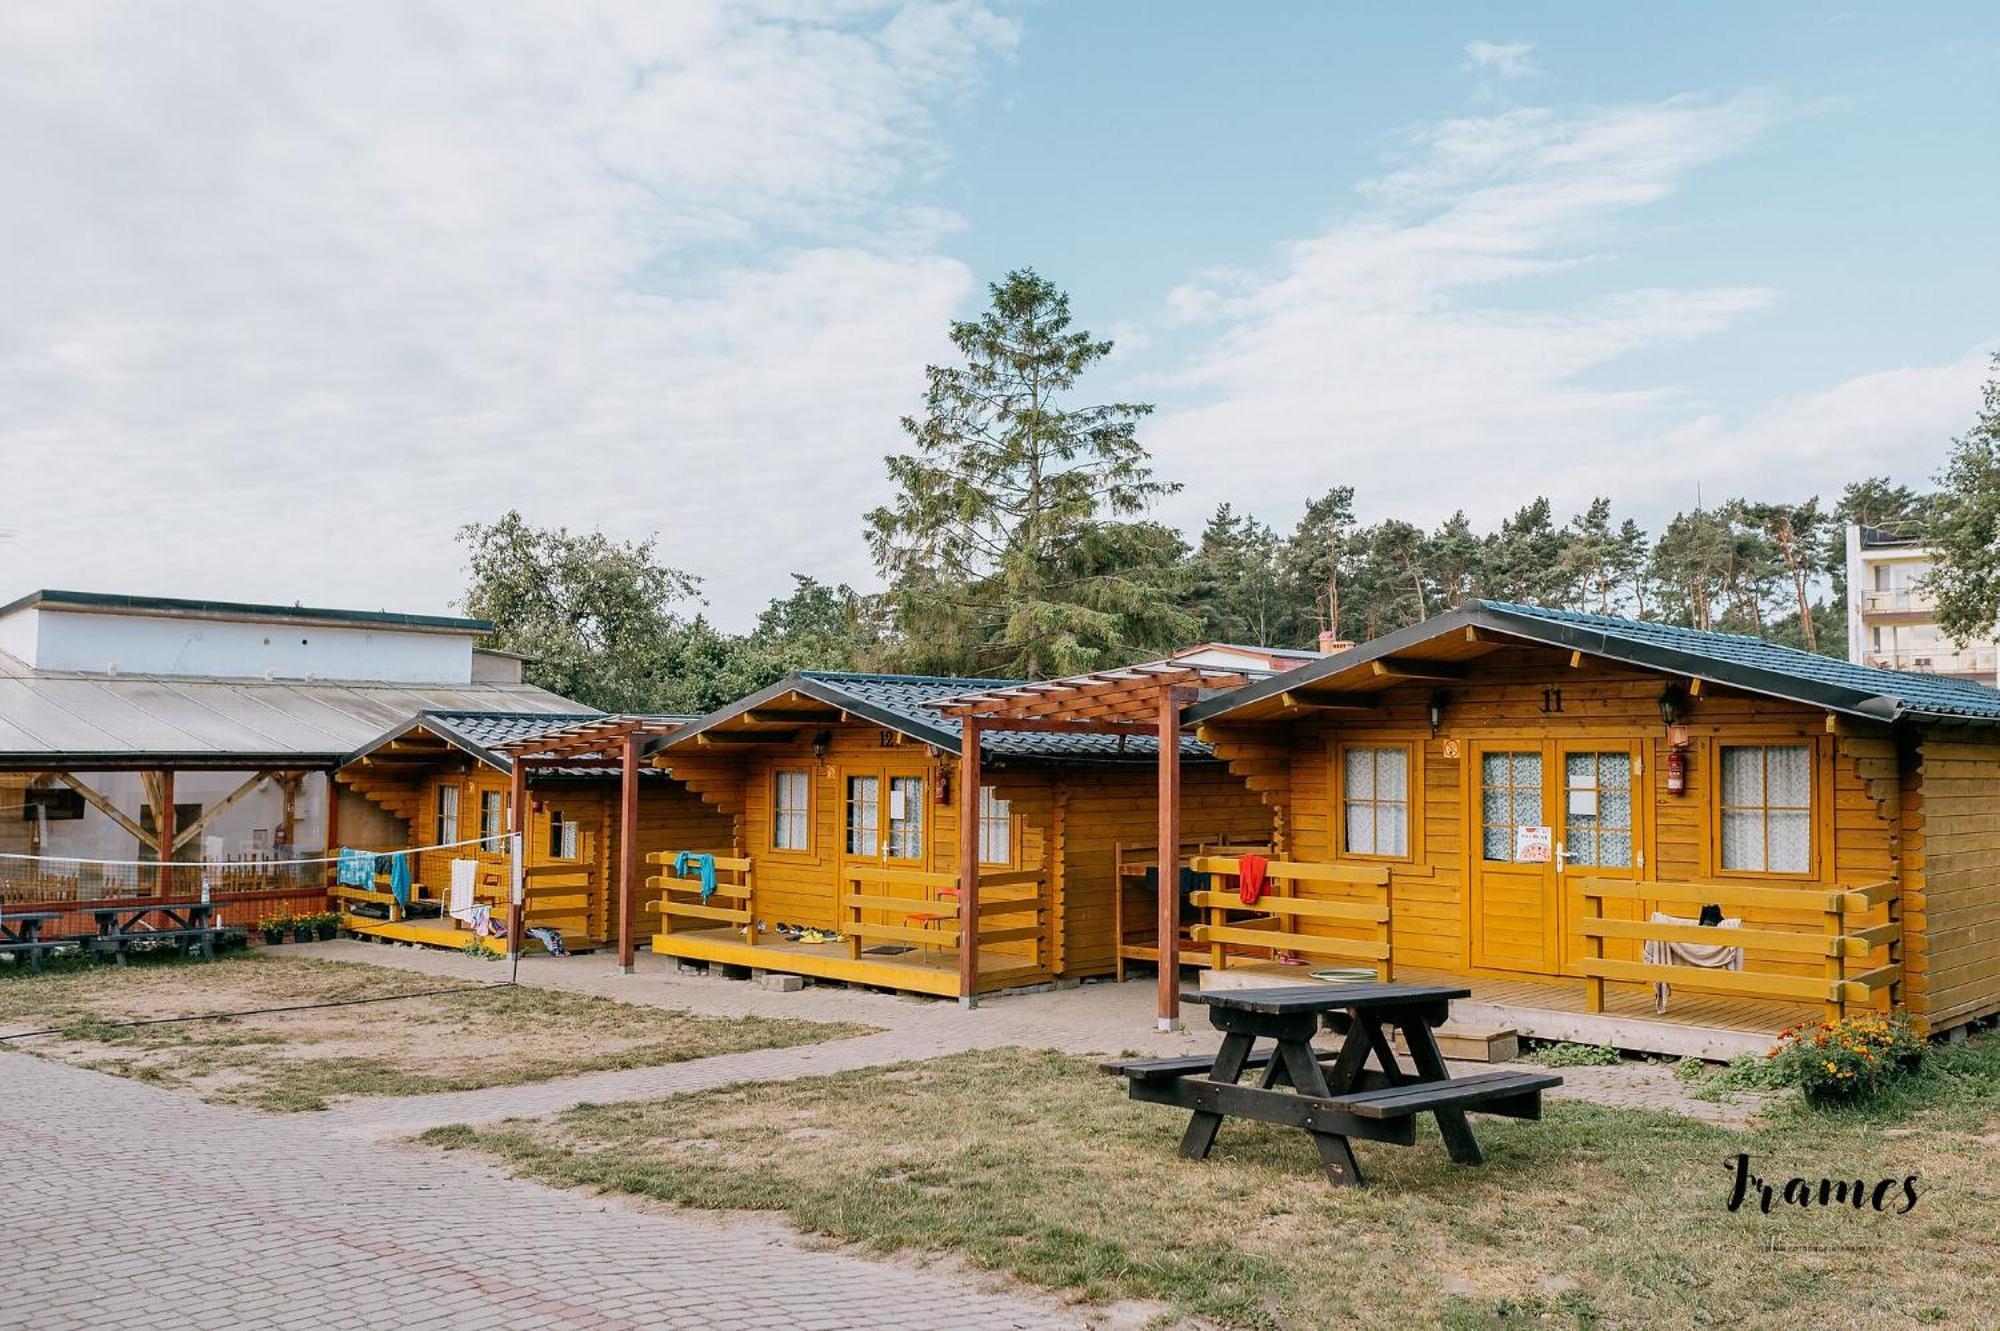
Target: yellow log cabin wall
(1952, 875)
(1449, 913)
(1066, 821)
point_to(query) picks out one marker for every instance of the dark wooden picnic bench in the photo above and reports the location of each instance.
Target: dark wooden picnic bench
(187, 923)
(21, 935)
(1335, 1096)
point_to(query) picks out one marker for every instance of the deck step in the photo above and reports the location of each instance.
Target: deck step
(1472, 1043)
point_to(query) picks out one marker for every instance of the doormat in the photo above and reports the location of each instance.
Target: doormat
(886, 950)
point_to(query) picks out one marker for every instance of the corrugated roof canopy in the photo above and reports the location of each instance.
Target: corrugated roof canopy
(81, 722)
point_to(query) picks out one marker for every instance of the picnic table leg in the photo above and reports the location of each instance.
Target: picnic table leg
(1336, 1157)
(1229, 1061)
(1458, 1138)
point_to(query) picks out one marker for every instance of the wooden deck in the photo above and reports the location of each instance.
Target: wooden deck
(918, 970)
(1694, 1024)
(429, 932)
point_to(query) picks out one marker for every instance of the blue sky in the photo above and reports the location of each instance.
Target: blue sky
(372, 274)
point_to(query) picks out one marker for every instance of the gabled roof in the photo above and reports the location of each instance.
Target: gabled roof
(1733, 659)
(896, 702)
(473, 733)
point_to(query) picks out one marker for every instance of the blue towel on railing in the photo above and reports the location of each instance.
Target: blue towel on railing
(399, 878)
(701, 864)
(354, 868)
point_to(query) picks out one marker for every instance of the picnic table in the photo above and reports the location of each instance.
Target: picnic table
(188, 922)
(21, 934)
(1336, 1096)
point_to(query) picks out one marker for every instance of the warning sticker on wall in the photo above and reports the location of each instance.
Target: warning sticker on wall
(1534, 845)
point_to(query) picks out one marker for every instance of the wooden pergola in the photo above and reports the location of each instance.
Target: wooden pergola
(1137, 701)
(598, 742)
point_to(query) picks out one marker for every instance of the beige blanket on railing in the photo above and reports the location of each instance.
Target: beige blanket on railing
(1709, 956)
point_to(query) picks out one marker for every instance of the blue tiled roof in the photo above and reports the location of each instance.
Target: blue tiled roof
(1929, 695)
(1734, 659)
(897, 701)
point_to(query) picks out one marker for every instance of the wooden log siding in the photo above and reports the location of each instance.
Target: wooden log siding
(1858, 801)
(1952, 897)
(1068, 821)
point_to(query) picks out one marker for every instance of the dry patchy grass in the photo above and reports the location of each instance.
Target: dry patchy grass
(468, 1038)
(1034, 1164)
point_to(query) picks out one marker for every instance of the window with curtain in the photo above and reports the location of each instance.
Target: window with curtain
(1510, 797)
(863, 815)
(1767, 808)
(492, 819)
(906, 817)
(446, 828)
(996, 828)
(791, 811)
(562, 837)
(1375, 800)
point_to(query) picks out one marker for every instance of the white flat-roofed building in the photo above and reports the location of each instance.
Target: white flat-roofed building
(1891, 619)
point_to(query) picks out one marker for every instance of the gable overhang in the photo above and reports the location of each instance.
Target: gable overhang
(1448, 643)
(777, 713)
(384, 747)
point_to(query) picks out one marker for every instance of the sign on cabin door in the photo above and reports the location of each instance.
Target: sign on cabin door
(1549, 815)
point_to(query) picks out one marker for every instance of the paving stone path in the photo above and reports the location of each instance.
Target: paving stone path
(130, 1206)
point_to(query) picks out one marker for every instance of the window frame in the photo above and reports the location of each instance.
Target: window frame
(1012, 822)
(1413, 804)
(1816, 787)
(565, 841)
(447, 793)
(777, 774)
(493, 842)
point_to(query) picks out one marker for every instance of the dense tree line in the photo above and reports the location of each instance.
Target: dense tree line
(1017, 543)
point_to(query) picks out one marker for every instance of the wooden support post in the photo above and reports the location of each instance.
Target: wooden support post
(1836, 962)
(1170, 860)
(968, 863)
(163, 826)
(628, 847)
(332, 846)
(517, 909)
(1593, 986)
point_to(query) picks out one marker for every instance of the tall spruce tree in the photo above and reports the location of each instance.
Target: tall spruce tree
(1006, 547)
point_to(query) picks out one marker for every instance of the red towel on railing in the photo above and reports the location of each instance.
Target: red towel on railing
(1250, 880)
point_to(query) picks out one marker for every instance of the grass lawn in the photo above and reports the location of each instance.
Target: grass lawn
(469, 1038)
(1035, 1164)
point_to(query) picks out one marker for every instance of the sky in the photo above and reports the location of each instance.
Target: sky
(289, 294)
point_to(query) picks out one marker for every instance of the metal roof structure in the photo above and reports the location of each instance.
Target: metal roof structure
(1439, 645)
(117, 603)
(812, 698)
(87, 721)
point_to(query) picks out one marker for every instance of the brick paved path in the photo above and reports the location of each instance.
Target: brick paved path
(129, 1206)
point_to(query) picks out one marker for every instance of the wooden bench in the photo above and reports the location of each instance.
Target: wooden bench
(1506, 1094)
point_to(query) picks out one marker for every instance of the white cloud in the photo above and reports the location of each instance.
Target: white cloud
(1507, 60)
(303, 288)
(1417, 349)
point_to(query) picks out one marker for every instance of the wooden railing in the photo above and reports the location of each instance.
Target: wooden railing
(1840, 939)
(1276, 922)
(733, 887)
(925, 910)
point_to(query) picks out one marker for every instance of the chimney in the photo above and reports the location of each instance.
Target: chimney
(1332, 644)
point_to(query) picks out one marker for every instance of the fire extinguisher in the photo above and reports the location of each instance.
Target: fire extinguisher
(1677, 771)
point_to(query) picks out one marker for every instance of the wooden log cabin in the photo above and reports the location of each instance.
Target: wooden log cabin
(845, 793)
(460, 777)
(1555, 800)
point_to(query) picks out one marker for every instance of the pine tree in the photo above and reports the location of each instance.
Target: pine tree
(1964, 526)
(1004, 547)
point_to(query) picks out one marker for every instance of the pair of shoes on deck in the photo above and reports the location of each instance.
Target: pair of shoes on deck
(799, 933)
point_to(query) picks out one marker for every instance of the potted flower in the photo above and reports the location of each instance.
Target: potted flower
(275, 927)
(328, 926)
(304, 928)
(1845, 1061)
